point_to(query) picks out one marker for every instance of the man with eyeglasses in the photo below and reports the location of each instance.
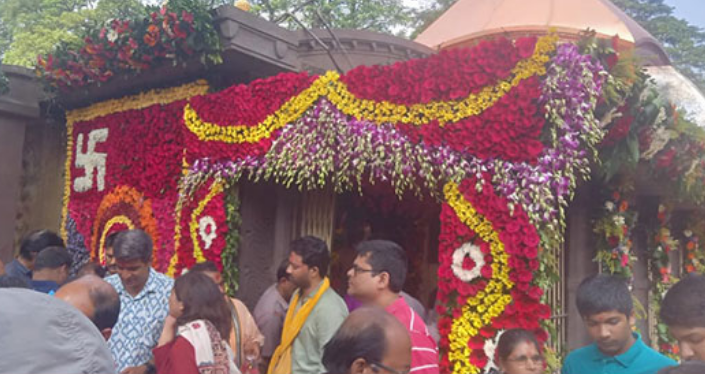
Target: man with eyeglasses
(376, 278)
(605, 303)
(370, 340)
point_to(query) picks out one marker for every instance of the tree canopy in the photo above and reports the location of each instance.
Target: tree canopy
(32, 27)
(684, 43)
(390, 16)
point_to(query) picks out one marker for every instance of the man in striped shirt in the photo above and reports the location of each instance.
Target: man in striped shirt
(376, 278)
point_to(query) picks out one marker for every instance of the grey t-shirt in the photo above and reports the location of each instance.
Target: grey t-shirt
(42, 334)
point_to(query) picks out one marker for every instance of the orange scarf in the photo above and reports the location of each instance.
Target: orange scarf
(281, 359)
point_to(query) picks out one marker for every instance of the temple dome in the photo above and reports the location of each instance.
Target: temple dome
(468, 21)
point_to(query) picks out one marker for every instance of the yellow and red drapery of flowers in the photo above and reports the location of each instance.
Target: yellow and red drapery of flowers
(126, 159)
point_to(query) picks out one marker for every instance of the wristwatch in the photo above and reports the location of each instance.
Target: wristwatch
(151, 369)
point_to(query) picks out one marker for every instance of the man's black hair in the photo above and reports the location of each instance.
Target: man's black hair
(106, 307)
(347, 345)
(35, 241)
(314, 253)
(110, 239)
(8, 281)
(684, 303)
(205, 267)
(604, 293)
(281, 271)
(385, 256)
(52, 258)
(133, 245)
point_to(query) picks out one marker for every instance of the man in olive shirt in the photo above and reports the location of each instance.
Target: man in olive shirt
(606, 306)
(315, 312)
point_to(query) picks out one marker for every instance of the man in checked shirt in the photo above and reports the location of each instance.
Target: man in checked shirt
(376, 278)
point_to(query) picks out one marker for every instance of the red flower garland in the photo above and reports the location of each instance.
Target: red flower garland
(449, 75)
(510, 129)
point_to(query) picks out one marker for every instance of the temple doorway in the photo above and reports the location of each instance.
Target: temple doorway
(378, 213)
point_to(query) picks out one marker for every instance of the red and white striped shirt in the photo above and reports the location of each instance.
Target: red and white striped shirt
(424, 351)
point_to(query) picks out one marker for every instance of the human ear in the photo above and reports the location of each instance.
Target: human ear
(384, 280)
(359, 366)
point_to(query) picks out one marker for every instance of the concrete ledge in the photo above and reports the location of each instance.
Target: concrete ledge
(25, 93)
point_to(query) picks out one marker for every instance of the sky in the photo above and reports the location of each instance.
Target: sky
(692, 11)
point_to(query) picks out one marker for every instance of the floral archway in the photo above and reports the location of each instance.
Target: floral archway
(500, 133)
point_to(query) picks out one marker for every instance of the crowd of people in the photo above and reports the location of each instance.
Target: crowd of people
(127, 318)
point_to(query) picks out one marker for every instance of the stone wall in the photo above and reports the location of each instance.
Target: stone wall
(18, 109)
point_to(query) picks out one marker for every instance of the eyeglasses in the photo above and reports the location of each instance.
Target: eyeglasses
(524, 360)
(358, 270)
(377, 366)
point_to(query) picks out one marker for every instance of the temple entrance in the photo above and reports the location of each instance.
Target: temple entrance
(378, 213)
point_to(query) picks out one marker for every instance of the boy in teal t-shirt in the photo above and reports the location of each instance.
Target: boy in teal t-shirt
(606, 306)
(683, 310)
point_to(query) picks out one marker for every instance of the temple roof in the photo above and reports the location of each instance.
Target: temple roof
(469, 20)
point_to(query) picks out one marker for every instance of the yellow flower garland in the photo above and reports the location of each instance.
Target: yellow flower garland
(139, 101)
(134, 102)
(489, 303)
(111, 222)
(330, 86)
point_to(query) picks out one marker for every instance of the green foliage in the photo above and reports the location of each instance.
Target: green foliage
(389, 16)
(32, 27)
(430, 13)
(684, 43)
(231, 273)
(4, 83)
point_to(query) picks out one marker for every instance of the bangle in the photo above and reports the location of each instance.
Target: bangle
(151, 369)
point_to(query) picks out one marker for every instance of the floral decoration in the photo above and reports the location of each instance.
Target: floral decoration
(503, 297)
(501, 142)
(257, 129)
(614, 230)
(192, 247)
(662, 244)
(693, 253)
(142, 159)
(468, 260)
(123, 208)
(179, 31)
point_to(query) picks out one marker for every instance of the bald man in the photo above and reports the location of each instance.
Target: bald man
(96, 299)
(369, 340)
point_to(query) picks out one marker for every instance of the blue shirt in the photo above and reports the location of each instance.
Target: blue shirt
(48, 287)
(639, 359)
(140, 321)
(17, 270)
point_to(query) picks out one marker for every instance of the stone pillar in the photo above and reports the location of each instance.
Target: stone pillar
(267, 216)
